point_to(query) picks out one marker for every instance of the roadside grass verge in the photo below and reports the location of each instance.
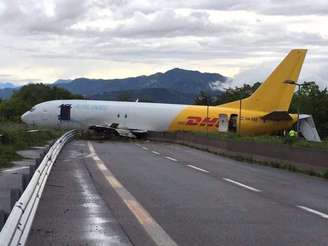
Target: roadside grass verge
(15, 136)
(277, 164)
(259, 161)
(299, 142)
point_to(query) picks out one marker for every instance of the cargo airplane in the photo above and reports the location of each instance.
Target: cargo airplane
(264, 112)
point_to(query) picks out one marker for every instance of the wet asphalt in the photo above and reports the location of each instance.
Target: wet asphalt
(197, 198)
(71, 211)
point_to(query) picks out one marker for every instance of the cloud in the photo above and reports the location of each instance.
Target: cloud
(65, 38)
(32, 17)
(166, 23)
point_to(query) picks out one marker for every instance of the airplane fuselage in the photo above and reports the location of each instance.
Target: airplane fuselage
(81, 114)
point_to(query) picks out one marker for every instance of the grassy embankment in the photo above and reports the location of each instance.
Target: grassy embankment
(15, 137)
(296, 143)
(270, 139)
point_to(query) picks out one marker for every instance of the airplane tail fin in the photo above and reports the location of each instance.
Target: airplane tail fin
(275, 94)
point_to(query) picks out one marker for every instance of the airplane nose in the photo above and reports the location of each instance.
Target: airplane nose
(25, 117)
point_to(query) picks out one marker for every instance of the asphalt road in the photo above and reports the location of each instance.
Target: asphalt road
(166, 194)
(71, 212)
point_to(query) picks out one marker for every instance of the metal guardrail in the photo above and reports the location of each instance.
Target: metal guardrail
(19, 222)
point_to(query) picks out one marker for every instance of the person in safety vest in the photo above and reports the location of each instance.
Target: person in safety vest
(292, 133)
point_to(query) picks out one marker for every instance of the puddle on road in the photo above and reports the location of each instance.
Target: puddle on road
(96, 224)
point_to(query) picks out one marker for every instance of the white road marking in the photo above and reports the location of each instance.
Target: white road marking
(33, 130)
(154, 230)
(170, 158)
(199, 169)
(13, 169)
(145, 148)
(242, 185)
(323, 215)
(155, 152)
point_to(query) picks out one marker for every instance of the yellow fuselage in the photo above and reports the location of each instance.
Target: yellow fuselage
(202, 119)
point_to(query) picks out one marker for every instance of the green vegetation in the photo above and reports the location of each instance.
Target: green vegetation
(14, 134)
(313, 101)
(256, 160)
(268, 139)
(229, 95)
(276, 164)
(28, 96)
(15, 137)
(311, 98)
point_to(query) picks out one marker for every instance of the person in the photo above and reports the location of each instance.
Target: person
(292, 133)
(291, 137)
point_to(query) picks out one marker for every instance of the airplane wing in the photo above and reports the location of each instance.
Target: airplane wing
(114, 129)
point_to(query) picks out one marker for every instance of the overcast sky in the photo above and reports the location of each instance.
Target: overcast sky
(44, 40)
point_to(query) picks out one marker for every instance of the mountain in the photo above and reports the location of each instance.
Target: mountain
(5, 85)
(6, 93)
(62, 81)
(158, 95)
(174, 86)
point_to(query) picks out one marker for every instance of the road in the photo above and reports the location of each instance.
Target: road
(166, 194)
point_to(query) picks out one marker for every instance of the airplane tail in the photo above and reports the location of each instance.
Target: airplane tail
(275, 94)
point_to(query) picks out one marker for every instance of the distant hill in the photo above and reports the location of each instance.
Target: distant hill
(62, 81)
(158, 95)
(177, 85)
(5, 85)
(7, 89)
(6, 93)
(174, 86)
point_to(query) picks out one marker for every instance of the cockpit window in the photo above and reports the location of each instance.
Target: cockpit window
(32, 109)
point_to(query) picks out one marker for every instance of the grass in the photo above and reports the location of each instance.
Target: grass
(269, 140)
(279, 165)
(274, 164)
(15, 137)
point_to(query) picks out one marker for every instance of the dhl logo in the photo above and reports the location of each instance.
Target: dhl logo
(200, 121)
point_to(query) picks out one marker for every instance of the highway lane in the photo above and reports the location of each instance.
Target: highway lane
(279, 185)
(71, 212)
(201, 199)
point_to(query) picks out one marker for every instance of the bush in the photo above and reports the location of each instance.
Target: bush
(15, 137)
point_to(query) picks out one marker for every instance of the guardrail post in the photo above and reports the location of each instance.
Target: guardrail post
(14, 196)
(25, 181)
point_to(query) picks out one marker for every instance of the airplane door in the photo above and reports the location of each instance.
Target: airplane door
(65, 112)
(223, 123)
(64, 116)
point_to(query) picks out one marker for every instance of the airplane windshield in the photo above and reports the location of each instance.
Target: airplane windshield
(32, 109)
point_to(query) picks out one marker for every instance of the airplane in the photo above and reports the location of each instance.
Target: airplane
(264, 112)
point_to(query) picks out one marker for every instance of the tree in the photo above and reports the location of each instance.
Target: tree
(229, 95)
(313, 101)
(125, 96)
(202, 99)
(29, 95)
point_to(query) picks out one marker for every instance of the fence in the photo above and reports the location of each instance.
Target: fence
(18, 225)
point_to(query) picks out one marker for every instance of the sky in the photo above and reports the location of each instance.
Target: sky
(46, 40)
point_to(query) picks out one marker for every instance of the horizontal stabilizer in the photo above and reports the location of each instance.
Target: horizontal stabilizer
(308, 129)
(277, 116)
